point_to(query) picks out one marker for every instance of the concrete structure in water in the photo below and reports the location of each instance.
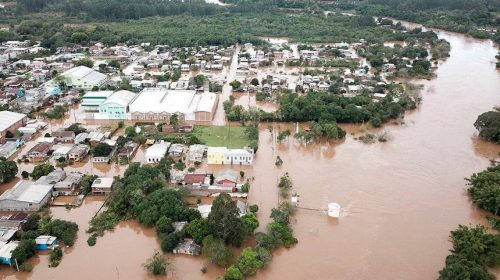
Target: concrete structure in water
(333, 210)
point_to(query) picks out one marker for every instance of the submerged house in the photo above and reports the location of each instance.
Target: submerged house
(45, 242)
(6, 252)
(188, 247)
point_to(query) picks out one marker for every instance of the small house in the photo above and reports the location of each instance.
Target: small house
(126, 153)
(187, 247)
(6, 252)
(102, 185)
(63, 136)
(45, 242)
(194, 179)
(69, 184)
(176, 150)
(157, 151)
(62, 152)
(227, 178)
(78, 152)
(39, 152)
(196, 153)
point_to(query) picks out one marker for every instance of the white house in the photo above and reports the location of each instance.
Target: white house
(223, 155)
(157, 151)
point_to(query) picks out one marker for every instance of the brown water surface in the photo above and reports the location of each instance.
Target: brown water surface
(400, 199)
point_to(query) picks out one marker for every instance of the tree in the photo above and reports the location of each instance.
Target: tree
(264, 255)
(8, 170)
(42, 170)
(473, 250)
(198, 230)
(114, 63)
(102, 150)
(64, 230)
(24, 250)
(157, 264)
(254, 82)
(224, 221)
(76, 128)
(488, 125)
(164, 225)
(233, 273)
(85, 62)
(169, 242)
(235, 84)
(250, 222)
(31, 222)
(130, 132)
(216, 251)
(484, 188)
(199, 80)
(282, 234)
(245, 187)
(282, 135)
(254, 208)
(9, 134)
(248, 262)
(174, 121)
(55, 256)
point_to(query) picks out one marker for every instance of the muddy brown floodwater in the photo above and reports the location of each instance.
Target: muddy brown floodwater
(400, 199)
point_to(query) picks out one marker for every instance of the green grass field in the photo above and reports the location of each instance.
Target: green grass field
(222, 136)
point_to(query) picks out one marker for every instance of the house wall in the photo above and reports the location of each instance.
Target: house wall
(96, 190)
(215, 158)
(14, 205)
(114, 111)
(12, 128)
(238, 159)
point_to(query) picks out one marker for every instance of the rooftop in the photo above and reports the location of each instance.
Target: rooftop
(8, 118)
(103, 182)
(26, 191)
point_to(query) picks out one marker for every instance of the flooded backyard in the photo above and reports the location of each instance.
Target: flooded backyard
(400, 199)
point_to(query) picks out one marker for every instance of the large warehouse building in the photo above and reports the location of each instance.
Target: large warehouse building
(156, 104)
(82, 77)
(10, 121)
(25, 196)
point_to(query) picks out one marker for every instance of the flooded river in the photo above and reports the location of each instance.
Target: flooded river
(400, 199)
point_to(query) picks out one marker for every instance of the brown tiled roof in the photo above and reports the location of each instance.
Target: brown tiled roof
(194, 178)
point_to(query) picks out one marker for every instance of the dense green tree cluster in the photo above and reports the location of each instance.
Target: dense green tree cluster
(116, 10)
(141, 195)
(330, 107)
(279, 234)
(65, 231)
(473, 250)
(35, 226)
(484, 188)
(488, 125)
(189, 30)
(57, 112)
(42, 170)
(464, 16)
(8, 170)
